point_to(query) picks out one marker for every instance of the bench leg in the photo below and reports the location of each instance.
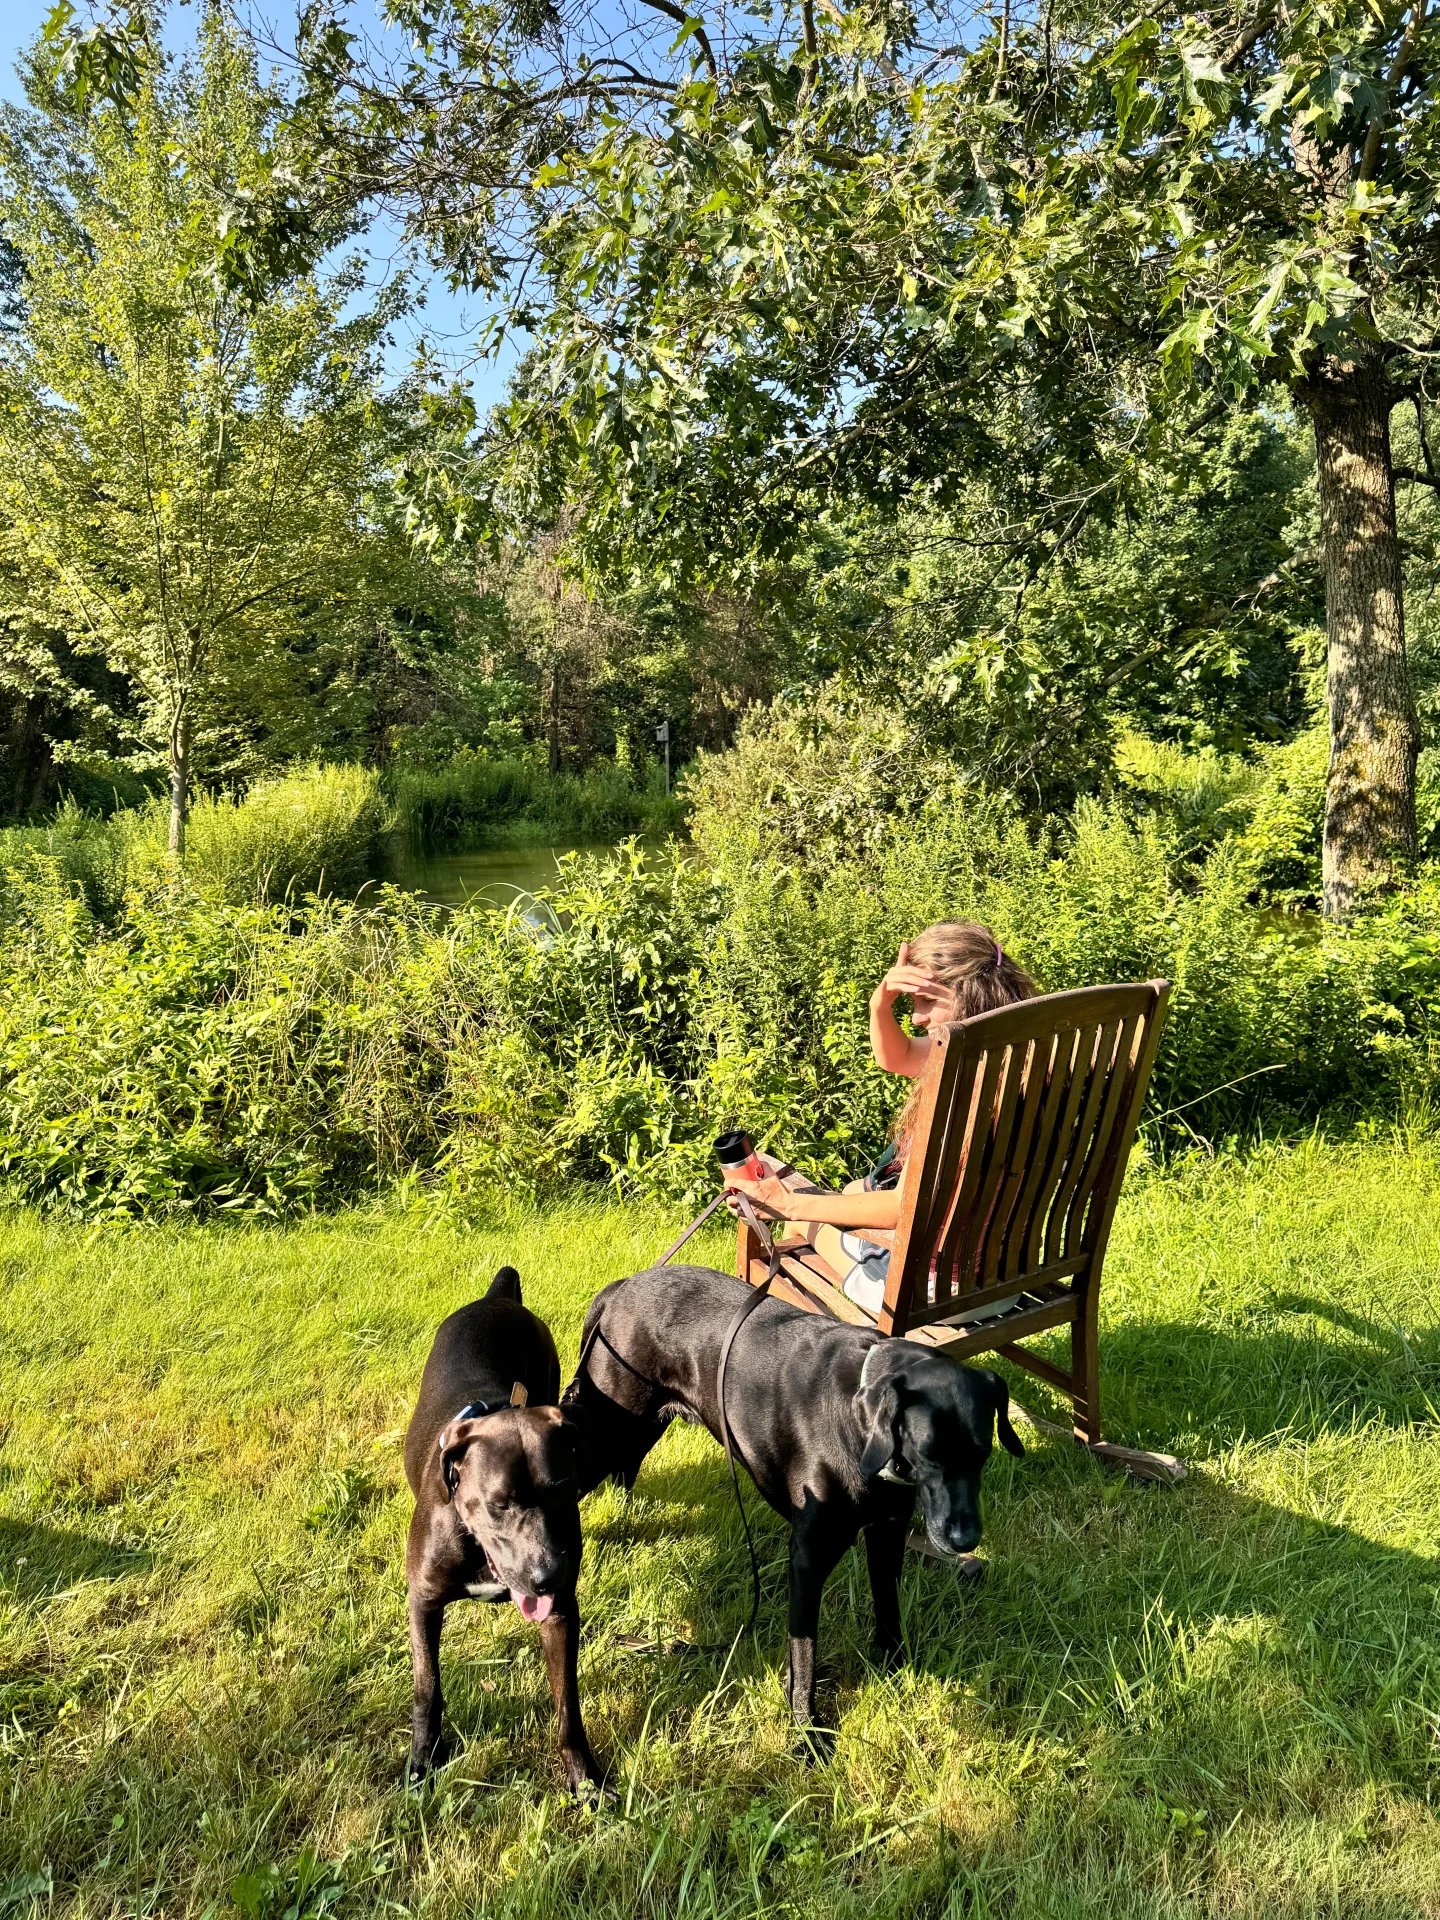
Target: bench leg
(1085, 1394)
(747, 1248)
(1085, 1370)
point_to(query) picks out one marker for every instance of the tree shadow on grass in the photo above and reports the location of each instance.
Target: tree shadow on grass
(1301, 1365)
(38, 1562)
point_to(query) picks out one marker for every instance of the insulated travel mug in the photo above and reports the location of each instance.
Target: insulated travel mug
(737, 1156)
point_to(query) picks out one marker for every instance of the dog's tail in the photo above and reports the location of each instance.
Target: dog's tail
(505, 1286)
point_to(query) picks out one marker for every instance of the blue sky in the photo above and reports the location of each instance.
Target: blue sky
(449, 320)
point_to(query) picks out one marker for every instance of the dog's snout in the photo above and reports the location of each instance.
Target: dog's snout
(545, 1577)
(961, 1536)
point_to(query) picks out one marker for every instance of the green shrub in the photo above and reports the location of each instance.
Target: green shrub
(294, 833)
(1281, 841)
(814, 782)
(89, 852)
(202, 1054)
(314, 827)
(472, 800)
(1204, 796)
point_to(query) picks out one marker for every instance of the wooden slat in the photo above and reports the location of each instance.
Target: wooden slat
(960, 1340)
(1032, 1363)
(1142, 1065)
(825, 1291)
(971, 1172)
(938, 1138)
(1057, 1159)
(784, 1289)
(1001, 1137)
(1035, 1081)
(950, 1163)
(1096, 1079)
(1115, 1101)
(1060, 1273)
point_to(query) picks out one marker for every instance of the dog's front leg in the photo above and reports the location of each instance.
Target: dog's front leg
(885, 1555)
(816, 1549)
(560, 1638)
(427, 1617)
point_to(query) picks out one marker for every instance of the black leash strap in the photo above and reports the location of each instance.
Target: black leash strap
(694, 1227)
(757, 1294)
(774, 1254)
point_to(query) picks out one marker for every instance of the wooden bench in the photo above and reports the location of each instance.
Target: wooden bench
(1026, 1121)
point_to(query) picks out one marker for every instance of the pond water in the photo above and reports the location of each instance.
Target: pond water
(491, 874)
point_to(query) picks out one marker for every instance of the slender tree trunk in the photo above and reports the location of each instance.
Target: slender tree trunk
(1374, 735)
(179, 783)
(555, 718)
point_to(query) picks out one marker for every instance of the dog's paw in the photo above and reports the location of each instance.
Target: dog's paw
(815, 1745)
(419, 1765)
(585, 1779)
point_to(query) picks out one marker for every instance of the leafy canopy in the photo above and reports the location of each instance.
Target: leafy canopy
(790, 253)
(191, 481)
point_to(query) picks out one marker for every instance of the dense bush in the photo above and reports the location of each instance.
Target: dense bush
(202, 1054)
(470, 800)
(295, 832)
(314, 827)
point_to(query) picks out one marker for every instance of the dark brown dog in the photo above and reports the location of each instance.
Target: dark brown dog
(492, 1463)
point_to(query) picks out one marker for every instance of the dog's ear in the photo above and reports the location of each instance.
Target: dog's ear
(451, 1448)
(505, 1286)
(519, 1395)
(1000, 1398)
(878, 1406)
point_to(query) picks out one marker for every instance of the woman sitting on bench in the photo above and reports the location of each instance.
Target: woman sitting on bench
(950, 971)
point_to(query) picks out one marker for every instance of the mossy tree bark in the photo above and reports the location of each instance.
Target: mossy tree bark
(1374, 734)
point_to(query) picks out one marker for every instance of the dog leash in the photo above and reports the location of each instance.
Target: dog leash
(694, 1227)
(775, 1254)
(757, 1294)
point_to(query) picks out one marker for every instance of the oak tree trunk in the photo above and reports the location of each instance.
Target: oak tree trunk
(179, 783)
(1374, 736)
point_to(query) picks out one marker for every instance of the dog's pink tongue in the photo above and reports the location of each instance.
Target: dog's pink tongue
(535, 1606)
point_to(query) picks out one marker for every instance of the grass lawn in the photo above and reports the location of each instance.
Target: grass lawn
(1217, 1698)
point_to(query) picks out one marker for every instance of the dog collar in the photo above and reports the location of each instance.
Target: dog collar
(472, 1410)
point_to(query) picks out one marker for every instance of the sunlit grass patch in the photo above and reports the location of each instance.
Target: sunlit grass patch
(1220, 1698)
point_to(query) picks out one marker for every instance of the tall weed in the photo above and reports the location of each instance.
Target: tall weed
(313, 827)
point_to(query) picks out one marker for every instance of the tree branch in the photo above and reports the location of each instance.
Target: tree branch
(1004, 50)
(1425, 452)
(1246, 38)
(1370, 158)
(1414, 474)
(702, 39)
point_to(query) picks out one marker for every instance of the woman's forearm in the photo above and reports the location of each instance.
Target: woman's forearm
(894, 1049)
(887, 1042)
(858, 1210)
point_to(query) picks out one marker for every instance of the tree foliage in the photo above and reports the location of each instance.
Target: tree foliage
(194, 484)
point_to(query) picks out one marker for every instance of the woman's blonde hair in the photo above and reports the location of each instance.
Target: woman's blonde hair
(971, 964)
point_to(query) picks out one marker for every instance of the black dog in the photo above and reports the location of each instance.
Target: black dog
(838, 1426)
(491, 1461)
